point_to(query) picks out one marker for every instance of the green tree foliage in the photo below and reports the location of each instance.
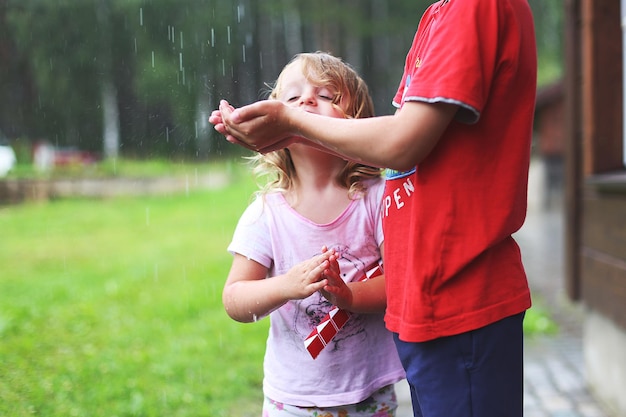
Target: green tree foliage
(164, 65)
(161, 57)
(54, 55)
(549, 30)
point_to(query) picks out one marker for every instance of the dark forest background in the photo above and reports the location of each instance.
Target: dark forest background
(138, 78)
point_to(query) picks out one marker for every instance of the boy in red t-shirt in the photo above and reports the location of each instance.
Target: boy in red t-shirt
(457, 153)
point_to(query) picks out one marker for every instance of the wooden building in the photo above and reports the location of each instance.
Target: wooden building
(595, 188)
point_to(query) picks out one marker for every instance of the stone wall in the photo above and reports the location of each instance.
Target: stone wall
(15, 191)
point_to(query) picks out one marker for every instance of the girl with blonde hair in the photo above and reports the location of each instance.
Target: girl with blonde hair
(302, 250)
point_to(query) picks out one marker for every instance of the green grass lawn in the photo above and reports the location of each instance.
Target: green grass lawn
(113, 308)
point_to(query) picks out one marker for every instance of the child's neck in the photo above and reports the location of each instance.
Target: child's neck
(316, 194)
(321, 205)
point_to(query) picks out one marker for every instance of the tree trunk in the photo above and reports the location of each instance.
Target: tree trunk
(110, 110)
(110, 120)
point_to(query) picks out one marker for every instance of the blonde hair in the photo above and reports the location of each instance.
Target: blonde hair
(351, 97)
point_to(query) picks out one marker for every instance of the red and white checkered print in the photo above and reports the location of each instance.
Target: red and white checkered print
(336, 318)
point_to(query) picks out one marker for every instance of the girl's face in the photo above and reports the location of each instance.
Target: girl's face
(297, 91)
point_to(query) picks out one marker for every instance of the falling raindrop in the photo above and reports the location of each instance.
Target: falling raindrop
(152, 59)
(228, 28)
(243, 53)
(141, 16)
(180, 61)
(212, 37)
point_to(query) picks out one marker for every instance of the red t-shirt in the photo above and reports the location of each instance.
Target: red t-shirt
(451, 264)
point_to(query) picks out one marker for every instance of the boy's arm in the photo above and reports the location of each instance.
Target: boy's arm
(398, 142)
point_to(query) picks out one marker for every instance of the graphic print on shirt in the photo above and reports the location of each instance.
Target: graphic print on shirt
(316, 307)
(398, 190)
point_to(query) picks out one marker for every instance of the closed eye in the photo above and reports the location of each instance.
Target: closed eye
(327, 94)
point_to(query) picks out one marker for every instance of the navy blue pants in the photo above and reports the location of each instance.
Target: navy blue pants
(475, 374)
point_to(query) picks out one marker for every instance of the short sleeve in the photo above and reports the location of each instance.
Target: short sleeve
(375, 200)
(252, 237)
(453, 57)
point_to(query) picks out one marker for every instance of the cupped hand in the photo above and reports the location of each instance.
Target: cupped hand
(262, 126)
(216, 120)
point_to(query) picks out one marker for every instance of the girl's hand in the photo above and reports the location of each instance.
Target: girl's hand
(249, 295)
(216, 116)
(216, 120)
(262, 126)
(336, 291)
(306, 278)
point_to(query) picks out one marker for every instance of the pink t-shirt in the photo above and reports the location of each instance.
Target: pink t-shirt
(450, 260)
(362, 357)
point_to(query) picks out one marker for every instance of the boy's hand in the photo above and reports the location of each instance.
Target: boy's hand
(262, 126)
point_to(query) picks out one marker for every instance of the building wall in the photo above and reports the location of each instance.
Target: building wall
(596, 190)
(603, 252)
(604, 353)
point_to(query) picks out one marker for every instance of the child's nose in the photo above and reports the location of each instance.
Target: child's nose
(307, 97)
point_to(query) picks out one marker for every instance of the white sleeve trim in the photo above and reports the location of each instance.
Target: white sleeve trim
(466, 114)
